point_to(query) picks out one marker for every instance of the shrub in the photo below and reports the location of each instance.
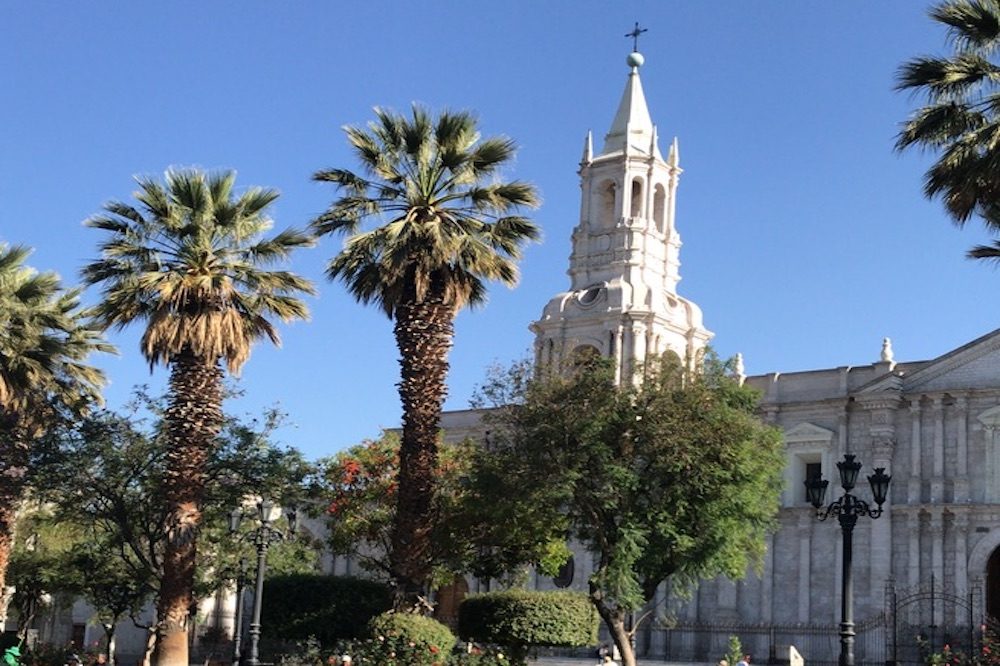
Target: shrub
(329, 608)
(480, 656)
(734, 652)
(401, 639)
(519, 619)
(413, 631)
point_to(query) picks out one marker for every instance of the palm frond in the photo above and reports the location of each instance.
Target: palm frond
(972, 24)
(179, 266)
(987, 252)
(423, 187)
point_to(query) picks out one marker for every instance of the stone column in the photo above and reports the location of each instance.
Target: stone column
(725, 599)
(767, 583)
(937, 480)
(937, 555)
(658, 639)
(961, 476)
(913, 488)
(881, 529)
(882, 410)
(638, 347)
(842, 434)
(960, 526)
(619, 335)
(913, 552)
(804, 529)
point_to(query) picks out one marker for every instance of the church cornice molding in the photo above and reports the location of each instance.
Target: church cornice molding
(952, 360)
(871, 402)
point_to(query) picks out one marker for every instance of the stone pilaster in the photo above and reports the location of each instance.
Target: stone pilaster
(936, 533)
(658, 638)
(882, 436)
(913, 548)
(937, 478)
(961, 476)
(960, 528)
(767, 583)
(804, 527)
(913, 488)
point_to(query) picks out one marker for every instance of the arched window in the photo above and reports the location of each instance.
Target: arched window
(636, 208)
(606, 203)
(565, 576)
(659, 204)
(584, 353)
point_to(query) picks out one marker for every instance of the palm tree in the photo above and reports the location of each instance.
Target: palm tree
(961, 119)
(439, 231)
(189, 262)
(44, 339)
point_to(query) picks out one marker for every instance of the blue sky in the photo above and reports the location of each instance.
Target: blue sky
(806, 239)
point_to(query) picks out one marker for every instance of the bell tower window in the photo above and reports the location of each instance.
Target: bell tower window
(606, 204)
(659, 204)
(635, 210)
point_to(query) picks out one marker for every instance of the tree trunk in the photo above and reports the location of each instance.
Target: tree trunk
(14, 449)
(109, 637)
(424, 334)
(193, 419)
(614, 620)
(147, 655)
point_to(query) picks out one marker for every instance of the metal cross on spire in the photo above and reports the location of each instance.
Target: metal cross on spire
(636, 31)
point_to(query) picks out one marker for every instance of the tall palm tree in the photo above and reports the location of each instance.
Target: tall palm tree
(961, 119)
(189, 262)
(44, 340)
(443, 223)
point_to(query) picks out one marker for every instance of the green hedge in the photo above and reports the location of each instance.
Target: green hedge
(330, 608)
(526, 618)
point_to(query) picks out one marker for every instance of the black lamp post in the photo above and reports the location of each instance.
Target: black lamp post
(847, 509)
(241, 583)
(262, 536)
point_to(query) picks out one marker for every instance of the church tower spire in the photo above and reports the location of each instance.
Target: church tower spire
(624, 265)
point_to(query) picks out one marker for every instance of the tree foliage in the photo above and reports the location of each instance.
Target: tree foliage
(358, 488)
(960, 120)
(103, 476)
(674, 478)
(45, 339)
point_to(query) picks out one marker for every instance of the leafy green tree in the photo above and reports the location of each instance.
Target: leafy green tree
(38, 565)
(443, 225)
(105, 475)
(358, 488)
(674, 479)
(189, 261)
(961, 116)
(45, 340)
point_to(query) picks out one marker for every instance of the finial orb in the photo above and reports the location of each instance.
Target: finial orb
(635, 59)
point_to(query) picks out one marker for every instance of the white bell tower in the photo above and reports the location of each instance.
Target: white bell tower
(624, 265)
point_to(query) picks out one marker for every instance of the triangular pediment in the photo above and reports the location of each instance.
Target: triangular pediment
(971, 366)
(807, 432)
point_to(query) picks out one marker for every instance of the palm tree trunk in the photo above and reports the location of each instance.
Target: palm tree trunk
(424, 334)
(193, 419)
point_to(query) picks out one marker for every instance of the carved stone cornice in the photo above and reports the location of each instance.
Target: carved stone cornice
(879, 401)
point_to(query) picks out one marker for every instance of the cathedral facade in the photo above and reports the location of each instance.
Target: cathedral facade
(929, 565)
